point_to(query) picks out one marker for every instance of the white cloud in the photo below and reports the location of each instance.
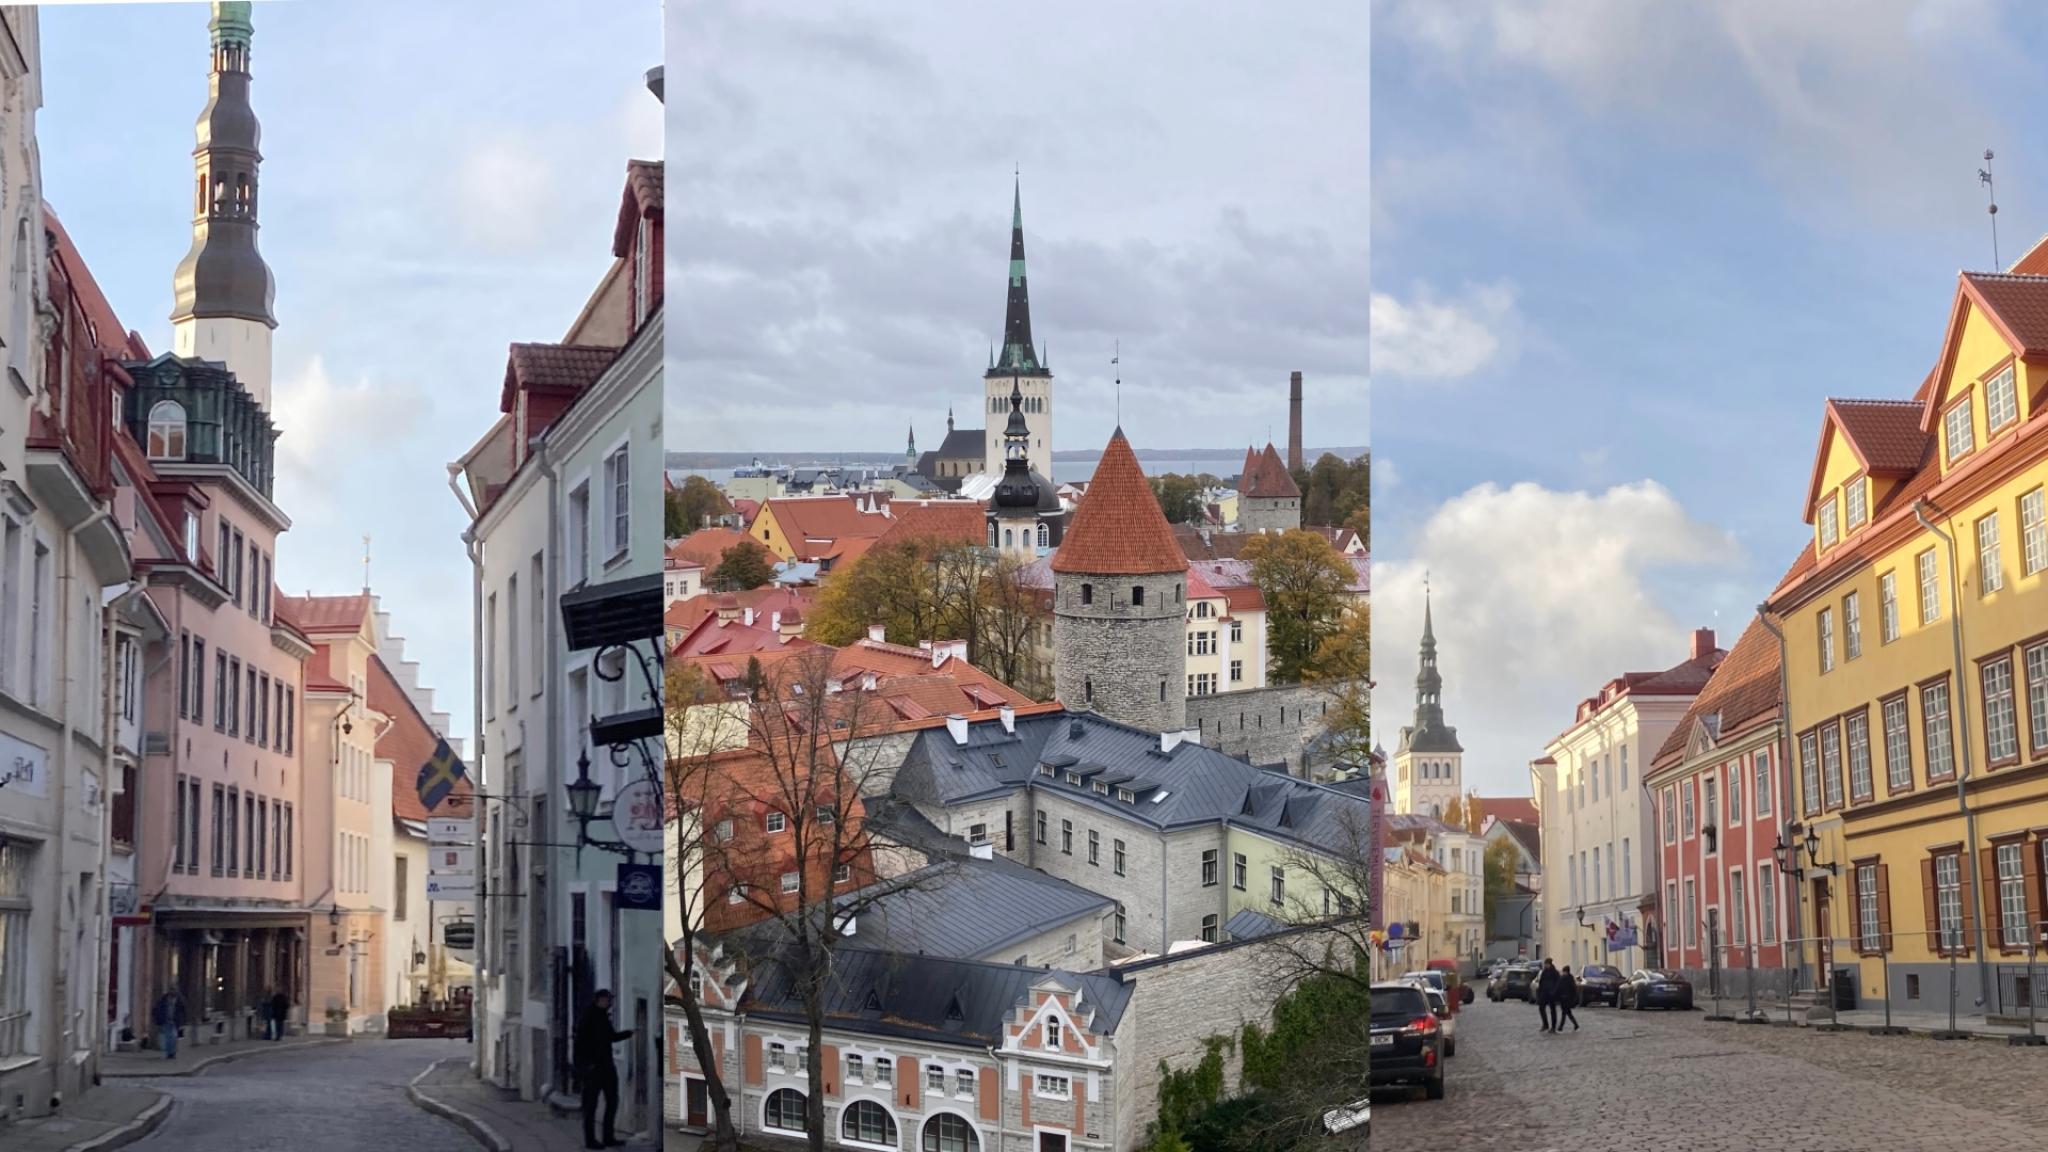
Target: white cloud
(1430, 339)
(1384, 474)
(506, 198)
(1540, 597)
(328, 429)
(1854, 102)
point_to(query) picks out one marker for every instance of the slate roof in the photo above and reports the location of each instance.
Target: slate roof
(1250, 924)
(1191, 785)
(963, 444)
(1118, 528)
(973, 909)
(928, 997)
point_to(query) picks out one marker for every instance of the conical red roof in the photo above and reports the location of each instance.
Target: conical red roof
(1118, 529)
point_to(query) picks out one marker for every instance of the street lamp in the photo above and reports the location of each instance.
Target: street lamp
(583, 794)
(1813, 854)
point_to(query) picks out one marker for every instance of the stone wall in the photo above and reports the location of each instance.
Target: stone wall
(1125, 661)
(1270, 725)
(1268, 515)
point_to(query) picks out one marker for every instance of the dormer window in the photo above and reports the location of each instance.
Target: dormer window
(1958, 432)
(2001, 400)
(1829, 527)
(1856, 501)
(167, 431)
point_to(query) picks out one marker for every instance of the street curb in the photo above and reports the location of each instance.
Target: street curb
(147, 1121)
(481, 1132)
(227, 1058)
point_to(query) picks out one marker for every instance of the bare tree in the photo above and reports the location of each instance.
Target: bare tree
(787, 853)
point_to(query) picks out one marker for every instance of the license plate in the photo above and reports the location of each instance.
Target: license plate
(1383, 1041)
(1665, 988)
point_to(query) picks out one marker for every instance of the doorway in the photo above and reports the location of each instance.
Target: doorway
(697, 1109)
(1052, 1142)
(1823, 921)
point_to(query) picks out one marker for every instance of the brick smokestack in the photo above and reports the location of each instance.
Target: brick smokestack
(1294, 422)
(1702, 642)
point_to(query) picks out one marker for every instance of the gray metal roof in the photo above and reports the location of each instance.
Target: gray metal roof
(929, 997)
(1188, 786)
(1250, 924)
(973, 909)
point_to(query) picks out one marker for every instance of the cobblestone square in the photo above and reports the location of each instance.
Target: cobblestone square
(1687, 1085)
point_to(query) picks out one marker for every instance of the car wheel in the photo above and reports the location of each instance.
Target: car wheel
(1433, 1089)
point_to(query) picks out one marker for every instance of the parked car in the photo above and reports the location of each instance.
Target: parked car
(1601, 984)
(1514, 982)
(1441, 1005)
(1407, 1039)
(1444, 982)
(1656, 988)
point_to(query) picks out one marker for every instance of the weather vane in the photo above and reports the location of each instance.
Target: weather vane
(1984, 178)
(1116, 356)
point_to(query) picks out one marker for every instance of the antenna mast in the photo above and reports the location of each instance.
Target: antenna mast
(1984, 178)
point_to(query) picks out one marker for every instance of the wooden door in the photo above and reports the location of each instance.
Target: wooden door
(699, 1110)
(1823, 921)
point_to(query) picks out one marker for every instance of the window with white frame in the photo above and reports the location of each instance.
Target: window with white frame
(1898, 746)
(2012, 896)
(1855, 501)
(166, 431)
(2037, 695)
(1809, 771)
(789, 882)
(1856, 727)
(1990, 569)
(1961, 436)
(1869, 938)
(1052, 1032)
(1888, 607)
(1209, 868)
(1692, 914)
(1930, 587)
(2033, 532)
(963, 1081)
(843, 874)
(1738, 911)
(16, 1008)
(935, 1079)
(2001, 718)
(1824, 633)
(1762, 804)
(866, 1122)
(1278, 895)
(1831, 764)
(1934, 729)
(618, 503)
(1055, 1087)
(1830, 528)
(775, 822)
(1209, 929)
(785, 1110)
(885, 1071)
(1852, 626)
(2001, 400)
(1948, 901)
(1670, 818)
(946, 1132)
(1685, 802)
(576, 537)
(1734, 794)
(1766, 904)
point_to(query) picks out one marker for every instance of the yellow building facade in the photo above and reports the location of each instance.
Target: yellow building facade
(1916, 657)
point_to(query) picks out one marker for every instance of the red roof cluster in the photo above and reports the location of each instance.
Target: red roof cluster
(1265, 477)
(1118, 528)
(936, 522)
(706, 546)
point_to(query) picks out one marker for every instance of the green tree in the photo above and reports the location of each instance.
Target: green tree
(1501, 858)
(690, 507)
(744, 566)
(1306, 587)
(1180, 496)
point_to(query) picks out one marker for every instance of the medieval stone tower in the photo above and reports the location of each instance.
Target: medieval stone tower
(1429, 766)
(1119, 630)
(223, 288)
(1268, 500)
(1019, 367)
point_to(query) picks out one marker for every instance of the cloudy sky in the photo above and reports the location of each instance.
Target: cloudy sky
(439, 180)
(1622, 253)
(1194, 185)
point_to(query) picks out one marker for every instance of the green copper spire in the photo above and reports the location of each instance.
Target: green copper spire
(223, 275)
(1017, 355)
(231, 23)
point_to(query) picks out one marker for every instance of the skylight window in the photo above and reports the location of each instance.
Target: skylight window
(1163, 794)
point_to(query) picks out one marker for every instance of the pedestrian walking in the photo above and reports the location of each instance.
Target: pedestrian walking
(280, 1013)
(169, 1017)
(1567, 999)
(594, 1067)
(1546, 995)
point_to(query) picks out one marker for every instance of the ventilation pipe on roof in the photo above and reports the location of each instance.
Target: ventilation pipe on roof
(747, 617)
(867, 681)
(982, 851)
(1009, 718)
(775, 621)
(956, 726)
(1168, 741)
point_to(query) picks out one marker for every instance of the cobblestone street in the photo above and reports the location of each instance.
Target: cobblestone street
(1690, 1085)
(335, 1098)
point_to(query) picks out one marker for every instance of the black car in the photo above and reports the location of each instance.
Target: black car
(1601, 984)
(1407, 1039)
(1656, 988)
(1515, 982)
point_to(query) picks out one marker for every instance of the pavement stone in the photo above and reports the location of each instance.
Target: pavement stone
(1694, 1086)
(143, 1063)
(105, 1118)
(498, 1120)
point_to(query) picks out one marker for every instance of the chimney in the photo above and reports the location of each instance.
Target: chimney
(792, 623)
(775, 621)
(1702, 642)
(956, 726)
(878, 632)
(1168, 741)
(1294, 421)
(747, 618)
(983, 851)
(1008, 716)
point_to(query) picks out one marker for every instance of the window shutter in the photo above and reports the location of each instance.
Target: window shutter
(1987, 882)
(1884, 910)
(2030, 868)
(1927, 906)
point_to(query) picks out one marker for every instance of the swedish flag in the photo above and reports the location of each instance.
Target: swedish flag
(438, 775)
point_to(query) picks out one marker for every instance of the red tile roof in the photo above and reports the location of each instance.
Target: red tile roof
(2017, 304)
(556, 367)
(1266, 477)
(706, 546)
(937, 522)
(327, 613)
(1884, 435)
(1742, 690)
(814, 525)
(118, 341)
(711, 636)
(1509, 809)
(1118, 528)
(684, 614)
(409, 743)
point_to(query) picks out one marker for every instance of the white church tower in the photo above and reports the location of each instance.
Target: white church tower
(1020, 368)
(1429, 765)
(223, 288)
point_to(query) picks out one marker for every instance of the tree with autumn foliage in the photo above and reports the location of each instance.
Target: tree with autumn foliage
(1306, 584)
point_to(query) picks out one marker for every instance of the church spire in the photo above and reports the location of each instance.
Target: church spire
(223, 275)
(911, 450)
(1018, 354)
(1430, 733)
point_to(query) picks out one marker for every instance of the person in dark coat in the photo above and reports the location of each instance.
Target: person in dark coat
(594, 1067)
(1546, 995)
(1567, 999)
(169, 1016)
(280, 1014)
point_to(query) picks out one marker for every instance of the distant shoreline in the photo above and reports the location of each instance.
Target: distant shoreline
(686, 460)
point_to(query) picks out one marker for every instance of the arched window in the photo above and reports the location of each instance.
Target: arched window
(1044, 537)
(869, 1123)
(991, 535)
(946, 1132)
(785, 1110)
(167, 431)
